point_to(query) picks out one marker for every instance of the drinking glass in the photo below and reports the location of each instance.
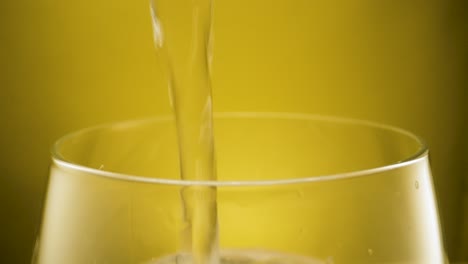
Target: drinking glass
(292, 189)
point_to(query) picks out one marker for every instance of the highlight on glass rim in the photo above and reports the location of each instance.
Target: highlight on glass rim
(236, 132)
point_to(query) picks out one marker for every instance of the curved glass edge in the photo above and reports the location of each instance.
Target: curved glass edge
(421, 154)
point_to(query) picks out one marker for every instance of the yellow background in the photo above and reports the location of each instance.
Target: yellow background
(65, 65)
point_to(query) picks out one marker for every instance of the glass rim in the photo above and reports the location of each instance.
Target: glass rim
(420, 154)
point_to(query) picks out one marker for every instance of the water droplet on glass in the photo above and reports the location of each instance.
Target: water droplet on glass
(301, 231)
(416, 184)
(300, 194)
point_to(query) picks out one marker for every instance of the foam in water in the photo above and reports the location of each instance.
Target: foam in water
(244, 257)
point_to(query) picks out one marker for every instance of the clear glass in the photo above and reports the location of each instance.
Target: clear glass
(329, 190)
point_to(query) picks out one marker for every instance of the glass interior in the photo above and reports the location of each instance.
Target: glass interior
(319, 189)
